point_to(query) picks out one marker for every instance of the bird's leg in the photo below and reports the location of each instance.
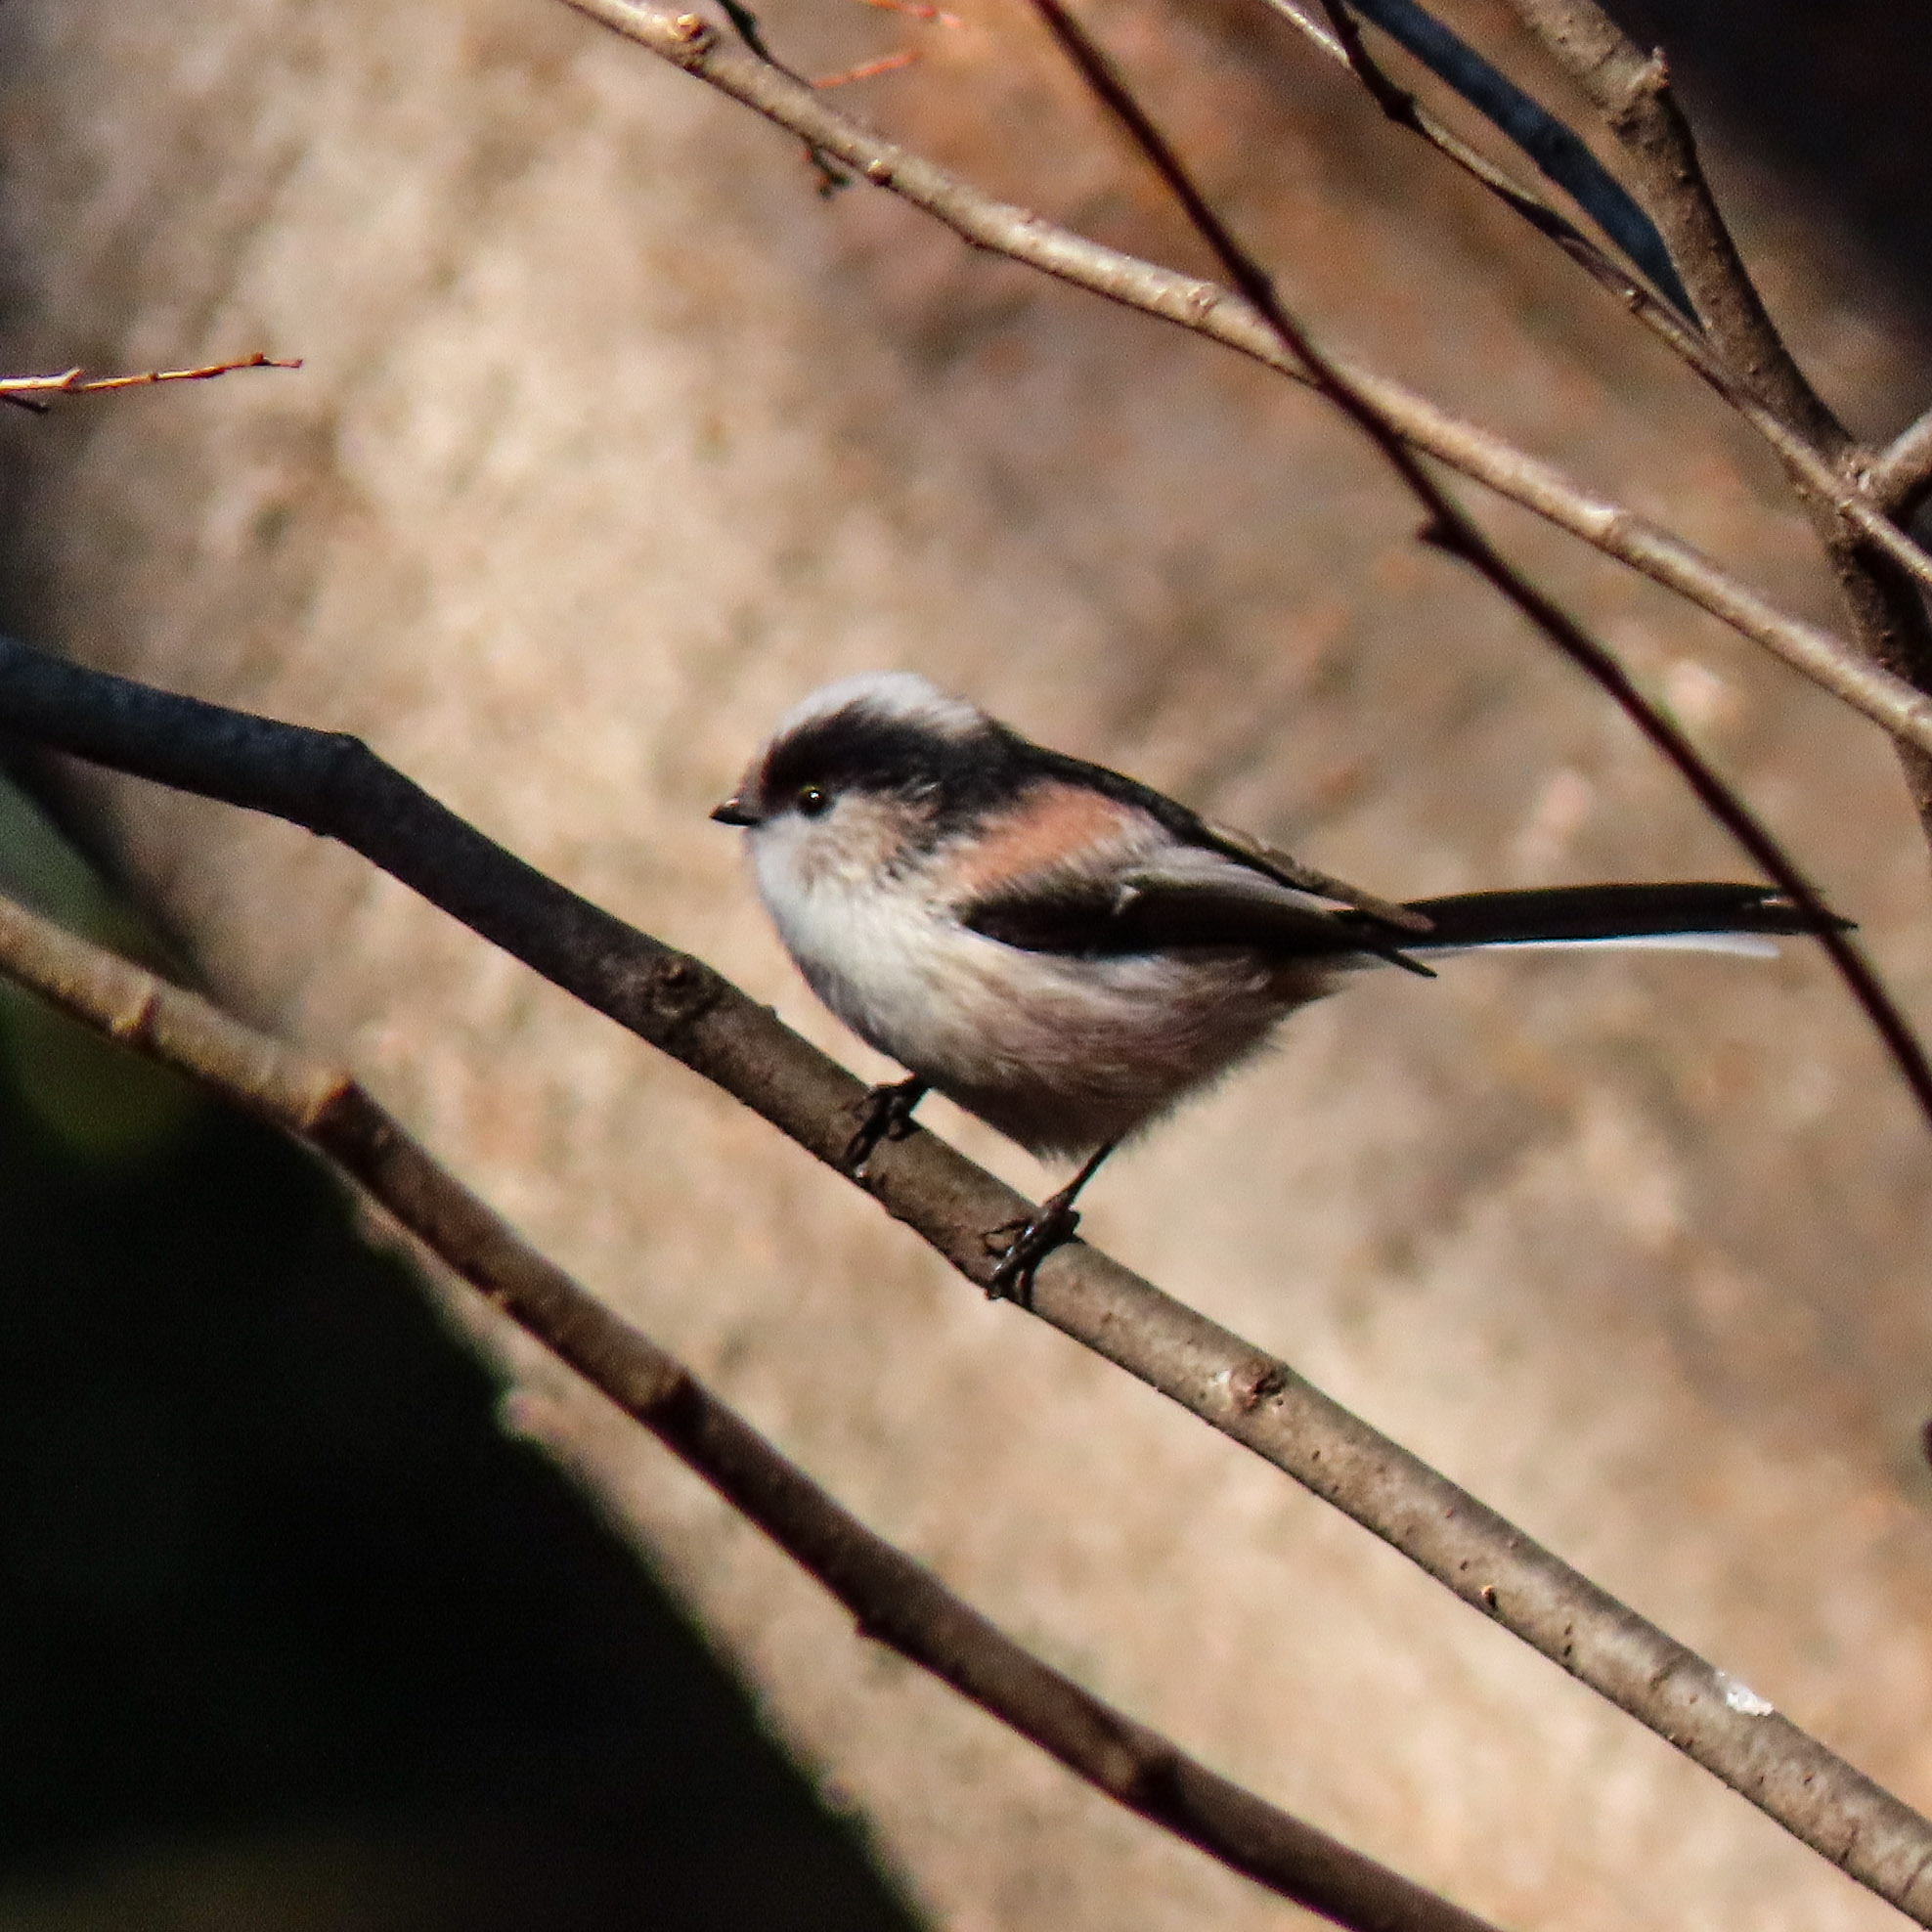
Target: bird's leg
(1052, 1225)
(884, 1114)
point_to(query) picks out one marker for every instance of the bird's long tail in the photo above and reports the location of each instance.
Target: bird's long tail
(1708, 917)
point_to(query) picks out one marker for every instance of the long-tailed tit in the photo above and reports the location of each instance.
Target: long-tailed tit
(1067, 953)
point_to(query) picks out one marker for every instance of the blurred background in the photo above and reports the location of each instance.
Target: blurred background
(294, 1633)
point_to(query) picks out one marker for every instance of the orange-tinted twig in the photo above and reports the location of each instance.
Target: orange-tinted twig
(918, 10)
(866, 69)
(76, 382)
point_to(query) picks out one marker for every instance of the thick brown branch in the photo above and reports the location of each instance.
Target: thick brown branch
(336, 786)
(1632, 91)
(1208, 309)
(896, 1601)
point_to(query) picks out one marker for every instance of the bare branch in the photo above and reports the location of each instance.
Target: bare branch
(897, 1601)
(1211, 310)
(1632, 91)
(335, 786)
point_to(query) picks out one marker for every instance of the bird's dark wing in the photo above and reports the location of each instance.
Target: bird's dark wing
(1180, 898)
(1286, 869)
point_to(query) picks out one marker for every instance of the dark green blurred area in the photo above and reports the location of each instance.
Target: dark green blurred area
(291, 1633)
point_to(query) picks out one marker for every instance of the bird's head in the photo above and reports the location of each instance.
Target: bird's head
(865, 774)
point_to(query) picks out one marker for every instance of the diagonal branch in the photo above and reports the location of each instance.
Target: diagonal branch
(1342, 41)
(1208, 309)
(896, 1601)
(335, 786)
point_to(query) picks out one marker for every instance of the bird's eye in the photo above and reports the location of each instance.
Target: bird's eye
(812, 800)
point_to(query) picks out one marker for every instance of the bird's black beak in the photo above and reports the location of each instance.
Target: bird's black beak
(734, 811)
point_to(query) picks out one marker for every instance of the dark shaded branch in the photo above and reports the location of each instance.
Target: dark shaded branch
(334, 784)
(1342, 41)
(1632, 91)
(745, 24)
(1558, 151)
(1208, 309)
(897, 1601)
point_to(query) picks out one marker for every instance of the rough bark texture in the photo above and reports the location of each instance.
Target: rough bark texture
(612, 440)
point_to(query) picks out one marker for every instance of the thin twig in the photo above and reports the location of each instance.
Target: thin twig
(32, 392)
(869, 70)
(1859, 503)
(1719, 799)
(1208, 309)
(1899, 476)
(335, 786)
(76, 381)
(918, 10)
(897, 1602)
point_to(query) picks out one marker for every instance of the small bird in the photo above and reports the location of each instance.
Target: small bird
(1067, 953)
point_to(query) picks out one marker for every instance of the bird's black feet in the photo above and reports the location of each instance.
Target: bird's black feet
(1031, 1241)
(884, 1114)
(1052, 1226)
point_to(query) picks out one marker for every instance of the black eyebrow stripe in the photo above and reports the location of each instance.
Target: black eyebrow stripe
(857, 746)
